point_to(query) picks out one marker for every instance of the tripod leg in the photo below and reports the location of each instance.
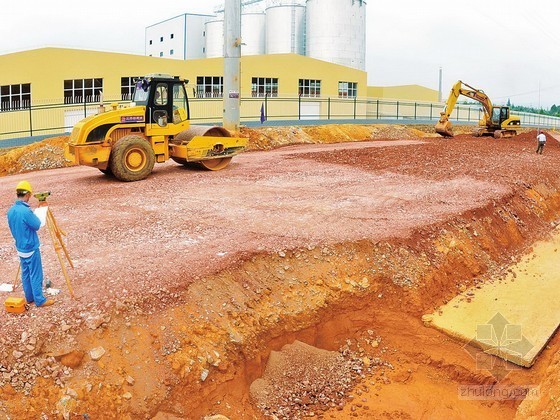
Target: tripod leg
(51, 227)
(58, 232)
(17, 275)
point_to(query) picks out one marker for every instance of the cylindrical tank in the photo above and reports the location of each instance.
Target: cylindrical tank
(336, 31)
(253, 33)
(214, 38)
(285, 29)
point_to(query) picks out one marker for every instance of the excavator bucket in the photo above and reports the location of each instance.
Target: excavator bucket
(444, 127)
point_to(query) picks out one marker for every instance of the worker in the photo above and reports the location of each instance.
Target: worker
(24, 224)
(541, 139)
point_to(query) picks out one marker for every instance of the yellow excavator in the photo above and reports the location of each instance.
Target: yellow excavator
(127, 142)
(496, 121)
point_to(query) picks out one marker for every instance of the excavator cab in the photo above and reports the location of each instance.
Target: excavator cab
(499, 115)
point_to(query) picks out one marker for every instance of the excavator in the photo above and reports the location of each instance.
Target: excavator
(127, 142)
(496, 121)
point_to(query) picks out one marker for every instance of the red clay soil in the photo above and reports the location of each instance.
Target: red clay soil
(189, 279)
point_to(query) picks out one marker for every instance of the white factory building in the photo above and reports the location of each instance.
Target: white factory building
(327, 30)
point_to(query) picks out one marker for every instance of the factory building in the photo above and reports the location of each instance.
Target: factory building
(328, 30)
(171, 39)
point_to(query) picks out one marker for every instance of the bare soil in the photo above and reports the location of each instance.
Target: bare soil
(339, 237)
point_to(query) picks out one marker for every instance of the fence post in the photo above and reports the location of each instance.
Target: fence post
(266, 105)
(469, 114)
(329, 108)
(85, 109)
(431, 106)
(299, 107)
(397, 110)
(30, 121)
(355, 99)
(377, 109)
(415, 110)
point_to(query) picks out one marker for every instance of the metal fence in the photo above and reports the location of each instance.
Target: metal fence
(40, 120)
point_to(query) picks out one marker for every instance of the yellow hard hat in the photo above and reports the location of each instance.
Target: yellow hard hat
(24, 186)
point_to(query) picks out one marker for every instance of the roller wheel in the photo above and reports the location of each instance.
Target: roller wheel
(215, 164)
(132, 158)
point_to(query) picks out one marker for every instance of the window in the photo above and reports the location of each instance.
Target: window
(170, 52)
(150, 42)
(261, 86)
(127, 88)
(310, 88)
(347, 89)
(82, 90)
(14, 97)
(160, 39)
(209, 86)
(171, 36)
(161, 53)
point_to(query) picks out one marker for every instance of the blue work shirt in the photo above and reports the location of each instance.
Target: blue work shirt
(24, 225)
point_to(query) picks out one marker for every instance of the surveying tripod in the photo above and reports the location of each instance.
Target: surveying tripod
(56, 236)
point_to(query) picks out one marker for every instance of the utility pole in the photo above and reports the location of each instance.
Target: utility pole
(439, 91)
(232, 63)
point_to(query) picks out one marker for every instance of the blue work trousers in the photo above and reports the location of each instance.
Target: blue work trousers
(32, 278)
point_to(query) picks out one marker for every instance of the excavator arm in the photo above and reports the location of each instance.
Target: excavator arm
(443, 126)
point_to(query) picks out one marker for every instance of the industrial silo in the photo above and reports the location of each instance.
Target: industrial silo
(285, 28)
(336, 31)
(253, 33)
(214, 38)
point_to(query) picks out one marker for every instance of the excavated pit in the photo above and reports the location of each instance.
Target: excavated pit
(195, 349)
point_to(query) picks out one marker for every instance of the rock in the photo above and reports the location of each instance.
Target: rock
(71, 393)
(96, 353)
(17, 354)
(216, 417)
(127, 395)
(65, 406)
(129, 380)
(94, 322)
(204, 375)
(72, 359)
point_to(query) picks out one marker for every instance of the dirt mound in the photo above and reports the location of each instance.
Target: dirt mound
(46, 154)
(302, 381)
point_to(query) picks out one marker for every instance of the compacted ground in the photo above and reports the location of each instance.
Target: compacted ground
(326, 255)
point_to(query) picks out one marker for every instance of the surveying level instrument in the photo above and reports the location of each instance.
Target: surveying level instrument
(42, 196)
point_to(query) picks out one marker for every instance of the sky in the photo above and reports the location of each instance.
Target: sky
(511, 50)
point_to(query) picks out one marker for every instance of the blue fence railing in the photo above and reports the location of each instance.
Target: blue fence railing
(21, 126)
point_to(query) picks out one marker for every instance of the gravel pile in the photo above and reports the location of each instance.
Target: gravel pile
(304, 381)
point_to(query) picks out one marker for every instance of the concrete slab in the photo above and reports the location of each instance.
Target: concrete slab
(513, 317)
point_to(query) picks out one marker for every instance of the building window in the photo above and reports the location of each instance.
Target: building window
(82, 90)
(171, 36)
(209, 86)
(14, 97)
(161, 53)
(150, 42)
(160, 39)
(170, 52)
(310, 88)
(261, 86)
(347, 89)
(127, 87)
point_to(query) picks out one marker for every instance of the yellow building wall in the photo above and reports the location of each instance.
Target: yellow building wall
(404, 92)
(47, 68)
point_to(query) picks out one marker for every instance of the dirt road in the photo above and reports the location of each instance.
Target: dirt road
(168, 267)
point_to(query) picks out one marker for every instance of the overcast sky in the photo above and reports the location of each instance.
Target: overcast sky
(509, 49)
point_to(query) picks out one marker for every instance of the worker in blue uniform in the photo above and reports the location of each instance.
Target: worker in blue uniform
(24, 224)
